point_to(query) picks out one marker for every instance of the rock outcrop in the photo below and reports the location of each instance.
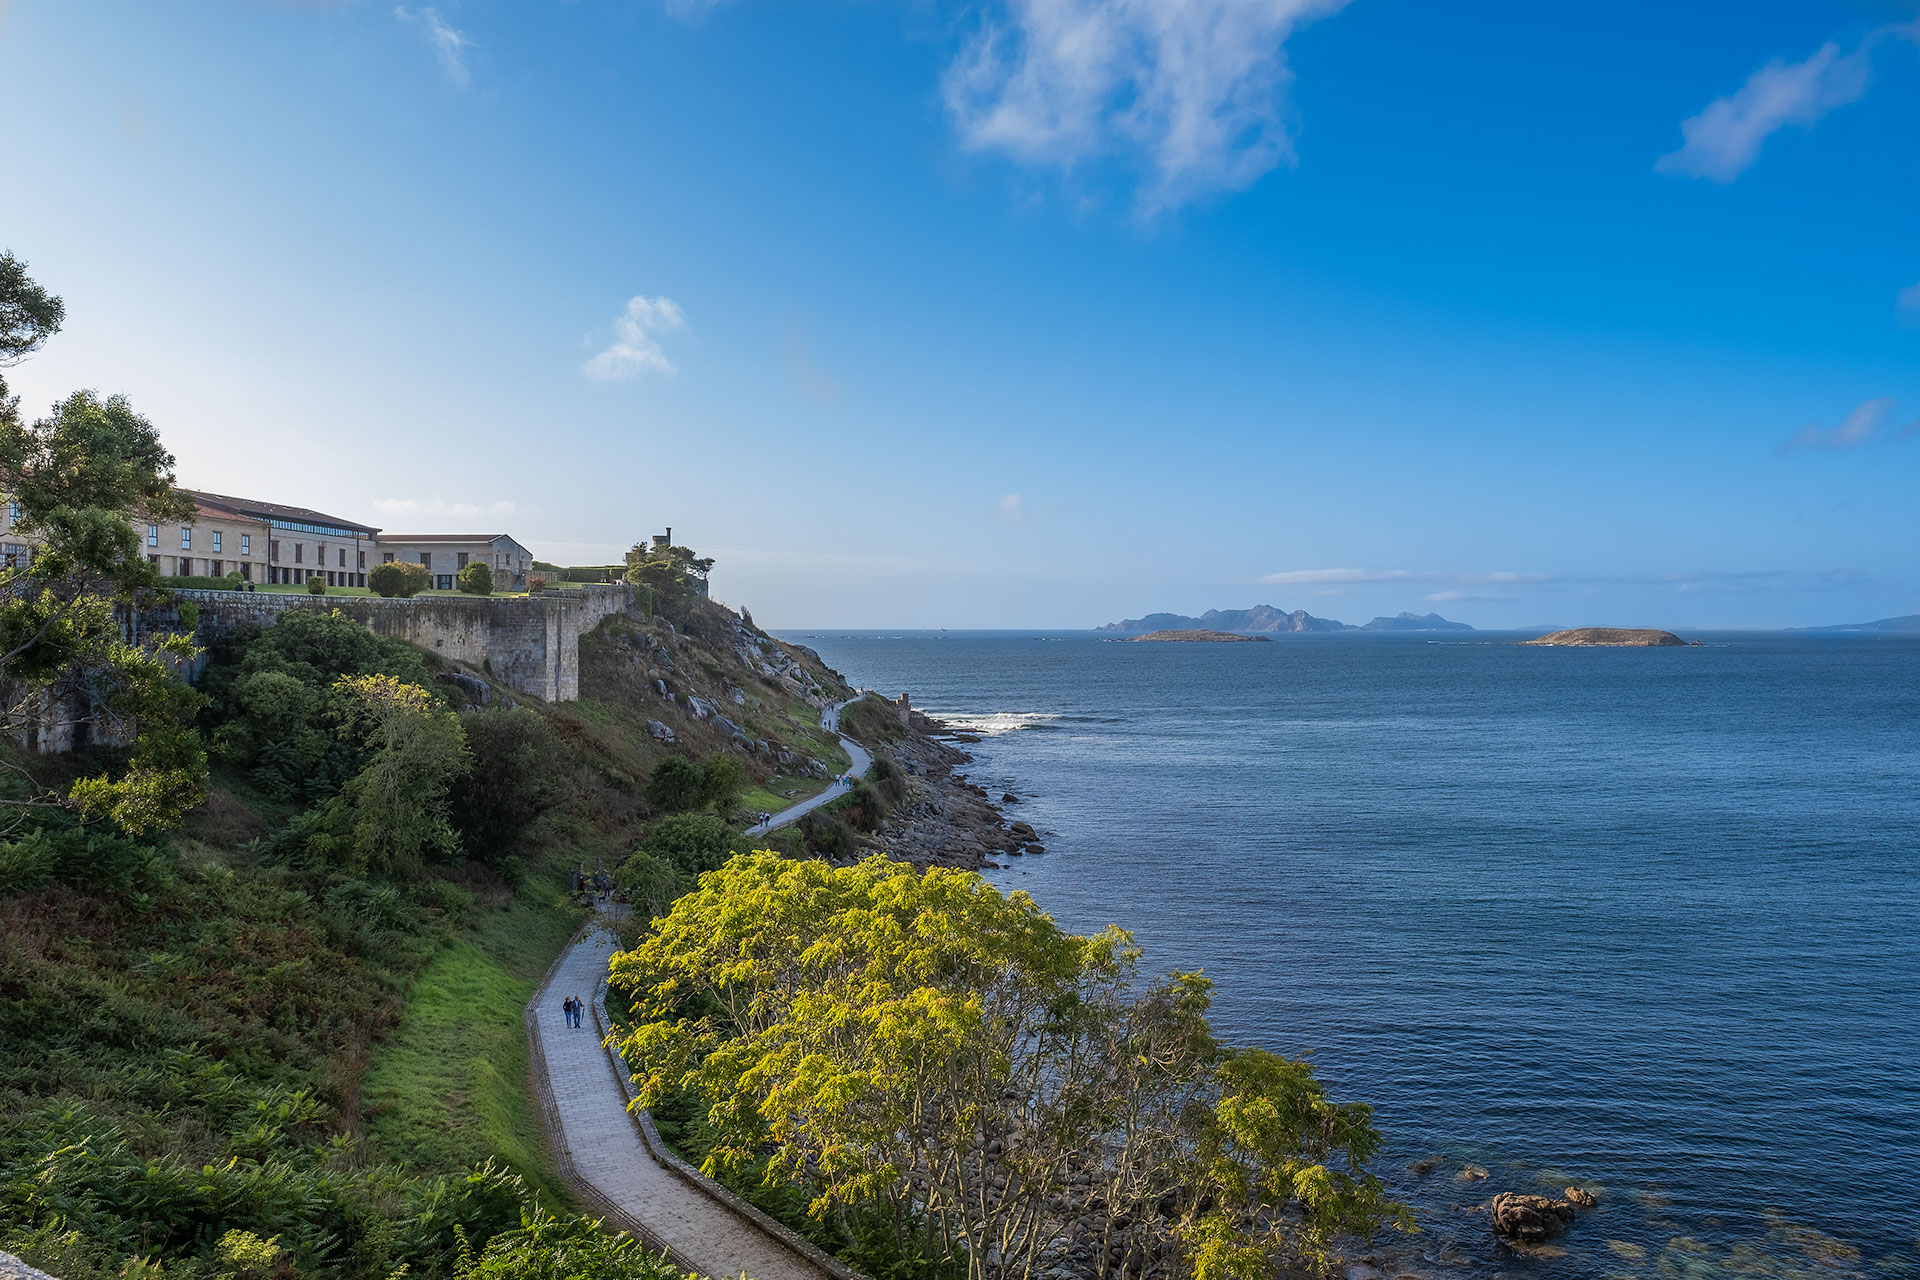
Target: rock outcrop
(1198, 637)
(1618, 637)
(1529, 1219)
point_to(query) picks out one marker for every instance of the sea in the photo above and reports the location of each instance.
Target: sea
(1640, 920)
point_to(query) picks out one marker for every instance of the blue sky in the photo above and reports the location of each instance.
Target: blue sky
(1020, 312)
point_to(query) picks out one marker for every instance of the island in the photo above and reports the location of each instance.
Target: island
(1202, 637)
(1619, 637)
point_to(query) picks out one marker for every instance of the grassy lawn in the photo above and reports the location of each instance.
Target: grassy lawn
(772, 798)
(291, 589)
(450, 1087)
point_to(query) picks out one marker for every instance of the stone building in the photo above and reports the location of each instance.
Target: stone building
(444, 555)
(266, 541)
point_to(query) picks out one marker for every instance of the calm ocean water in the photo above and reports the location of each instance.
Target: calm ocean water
(1646, 918)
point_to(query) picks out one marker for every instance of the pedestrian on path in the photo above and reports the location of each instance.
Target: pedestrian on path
(566, 1008)
(579, 1012)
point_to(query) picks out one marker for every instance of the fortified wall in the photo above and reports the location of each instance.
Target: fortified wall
(529, 643)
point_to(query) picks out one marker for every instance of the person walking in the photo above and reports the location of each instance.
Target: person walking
(579, 1012)
(566, 1008)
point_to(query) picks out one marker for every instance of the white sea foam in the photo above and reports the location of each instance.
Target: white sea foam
(994, 723)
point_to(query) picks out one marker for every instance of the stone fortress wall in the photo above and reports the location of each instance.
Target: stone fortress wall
(529, 643)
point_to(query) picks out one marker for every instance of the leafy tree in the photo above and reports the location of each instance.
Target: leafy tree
(693, 842)
(276, 710)
(674, 785)
(514, 778)
(398, 578)
(392, 816)
(476, 580)
(721, 782)
(650, 882)
(671, 573)
(81, 478)
(928, 1047)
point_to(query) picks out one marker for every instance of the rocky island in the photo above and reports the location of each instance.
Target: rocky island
(1617, 637)
(1200, 637)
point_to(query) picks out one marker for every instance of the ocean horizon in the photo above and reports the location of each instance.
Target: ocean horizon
(1637, 919)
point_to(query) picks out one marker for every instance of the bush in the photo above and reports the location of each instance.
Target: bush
(826, 835)
(721, 782)
(675, 785)
(515, 777)
(316, 585)
(535, 582)
(476, 580)
(398, 578)
(693, 842)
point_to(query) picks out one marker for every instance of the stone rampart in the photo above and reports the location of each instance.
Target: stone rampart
(529, 643)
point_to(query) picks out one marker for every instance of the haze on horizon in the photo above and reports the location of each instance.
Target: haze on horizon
(1020, 313)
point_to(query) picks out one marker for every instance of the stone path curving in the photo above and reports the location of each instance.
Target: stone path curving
(862, 761)
(603, 1154)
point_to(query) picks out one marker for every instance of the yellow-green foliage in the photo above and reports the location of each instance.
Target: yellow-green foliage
(857, 1023)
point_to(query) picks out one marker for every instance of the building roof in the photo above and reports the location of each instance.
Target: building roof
(276, 512)
(446, 537)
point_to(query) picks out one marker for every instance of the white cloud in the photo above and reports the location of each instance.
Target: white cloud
(1862, 426)
(636, 343)
(448, 44)
(1191, 90)
(1011, 509)
(1908, 300)
(441, 507)
(1725, 139)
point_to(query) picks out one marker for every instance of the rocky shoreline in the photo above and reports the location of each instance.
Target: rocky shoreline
(948, 820)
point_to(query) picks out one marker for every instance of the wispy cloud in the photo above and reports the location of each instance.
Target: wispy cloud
(1724, 140)
(1862, 426)
(1191, 92)
(441, 507)
(447, 43)
(1011, 509)
(636, 343)
(1908, 300)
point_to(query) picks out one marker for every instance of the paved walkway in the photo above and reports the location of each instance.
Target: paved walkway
(600, 1144)
(829, 719)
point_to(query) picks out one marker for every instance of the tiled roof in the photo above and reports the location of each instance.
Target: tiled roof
(275, 511)
(441, 537)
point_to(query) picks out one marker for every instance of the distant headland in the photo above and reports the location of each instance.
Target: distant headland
(1264, 619)
(1617, 637)
(1199, 637)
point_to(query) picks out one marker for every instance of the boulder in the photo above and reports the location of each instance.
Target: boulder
(1530, 1219)
(728, 727)
(473, 687)
(1582, 1197)
(1472, 1173)
(660, 731)
(660, 687)
(1021, 831)
(1007, 797)
(701, 708)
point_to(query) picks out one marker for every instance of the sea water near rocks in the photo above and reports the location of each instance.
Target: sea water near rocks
(1645, 919)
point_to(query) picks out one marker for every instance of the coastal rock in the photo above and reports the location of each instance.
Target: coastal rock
(1582, 1197)
(1022, 832)
(1036, 847)
(1007, 797)
(1609, 637)
(1529, 1219)
(660, 731)
(1471, 1173)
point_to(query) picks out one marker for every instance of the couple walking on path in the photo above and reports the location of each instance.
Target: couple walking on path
(574, 1007)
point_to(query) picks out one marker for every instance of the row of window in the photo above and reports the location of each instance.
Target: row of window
(186, 539)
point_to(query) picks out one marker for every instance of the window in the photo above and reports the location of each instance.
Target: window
(246, 544)
(299, 549)
(463, 561)
(343, 557)
(213, 567)
(13, 513)
(363, 560)
(155, 562)
(386, 557)
(246, 570)
(426, 559)
(153, 536)
(273, 549)
(186, 537)
(446, 582)
(216, 539)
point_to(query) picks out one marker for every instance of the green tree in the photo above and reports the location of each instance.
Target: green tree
(393, 815)
(398, 578)
(476, 580)
(693, 842)
(81, 478)
(515, 777)
(721, 782)
(674, 785)
(924, 1046)
(671, 573)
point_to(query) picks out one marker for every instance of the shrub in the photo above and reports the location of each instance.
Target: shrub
(476, 580)
(826, 835)
(189, 615)
(721, 782)
(316, 585)
(398, 578)
(201, 582)
(693, 842)
(536, 582)
(675, 785)
(515, 777)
